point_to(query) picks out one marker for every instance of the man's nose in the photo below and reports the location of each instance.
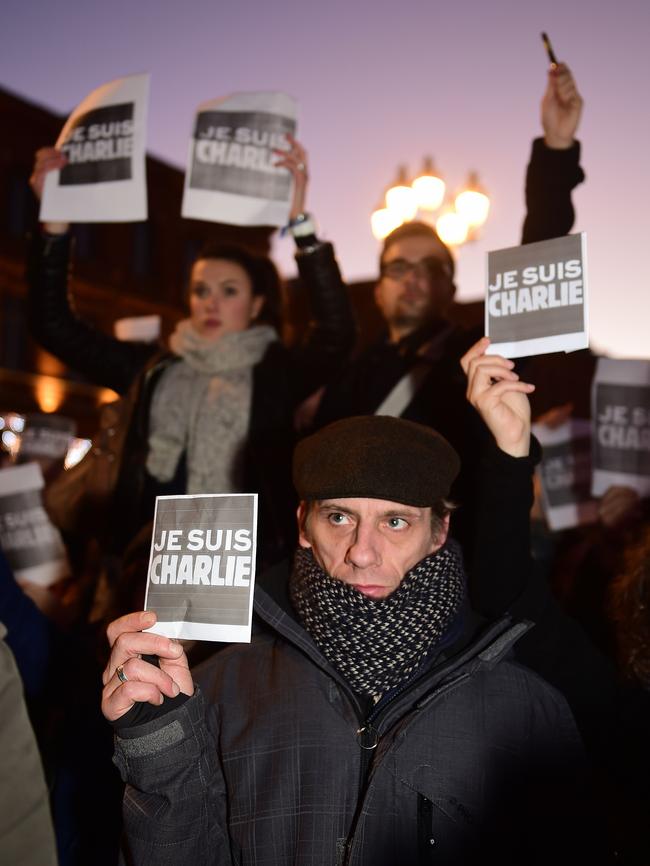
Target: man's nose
(415, 277)
(364, 551)
(411, 276)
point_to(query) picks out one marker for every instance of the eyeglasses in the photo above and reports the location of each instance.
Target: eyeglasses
(429, 268)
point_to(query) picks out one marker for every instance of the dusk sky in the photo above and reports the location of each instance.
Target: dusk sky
(380, 84)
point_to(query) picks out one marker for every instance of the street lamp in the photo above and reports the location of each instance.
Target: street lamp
(457, 222)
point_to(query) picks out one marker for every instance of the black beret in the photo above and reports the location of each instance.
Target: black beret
(375, 457)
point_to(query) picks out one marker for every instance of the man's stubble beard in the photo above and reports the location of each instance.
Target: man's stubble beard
(411, 319)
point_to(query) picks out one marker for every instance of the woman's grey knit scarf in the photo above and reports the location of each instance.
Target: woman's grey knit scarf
(201, 407)
(377, 643)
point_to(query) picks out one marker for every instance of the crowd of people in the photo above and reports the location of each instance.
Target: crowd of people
(431, 677)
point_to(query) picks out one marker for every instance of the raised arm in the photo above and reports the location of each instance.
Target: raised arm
(329, 339)
(554, 167)
(612, 722)
(502, 565)
(103, 359)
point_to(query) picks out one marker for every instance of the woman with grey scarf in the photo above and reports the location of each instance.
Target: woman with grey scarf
(214, 410)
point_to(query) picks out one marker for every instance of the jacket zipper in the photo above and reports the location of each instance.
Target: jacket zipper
(368, 739)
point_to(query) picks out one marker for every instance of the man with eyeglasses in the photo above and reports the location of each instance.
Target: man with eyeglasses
(416, 280)
(412, 370)
(400, 375)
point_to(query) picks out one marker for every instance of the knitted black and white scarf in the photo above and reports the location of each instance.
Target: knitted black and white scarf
(377, 643)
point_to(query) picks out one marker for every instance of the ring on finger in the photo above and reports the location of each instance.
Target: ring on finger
(301, 166)
(122, 677)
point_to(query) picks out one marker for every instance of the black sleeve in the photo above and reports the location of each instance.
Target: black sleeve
(329, 339)
(550, 178)
(612, 719)
(502, 567)
(176, 801)
(105, 360)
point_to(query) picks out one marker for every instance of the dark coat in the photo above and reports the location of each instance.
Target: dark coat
(476, 761)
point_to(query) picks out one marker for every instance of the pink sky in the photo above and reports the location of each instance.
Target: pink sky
(380, 84)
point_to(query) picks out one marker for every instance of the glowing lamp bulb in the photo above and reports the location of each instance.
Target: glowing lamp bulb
(383, 221)
(473, 203)
(429, 191)
(452, 228)
(402, 201)
(474, 206)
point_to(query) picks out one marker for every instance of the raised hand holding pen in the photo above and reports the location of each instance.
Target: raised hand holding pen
(561, 104)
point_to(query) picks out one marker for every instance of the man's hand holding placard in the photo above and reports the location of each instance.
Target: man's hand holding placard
(500, 398)
(128, 678)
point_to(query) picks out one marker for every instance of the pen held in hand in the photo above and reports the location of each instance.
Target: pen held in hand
(549, 50)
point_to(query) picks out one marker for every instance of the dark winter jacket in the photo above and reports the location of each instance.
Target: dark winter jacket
(476, 759)
(272, 761)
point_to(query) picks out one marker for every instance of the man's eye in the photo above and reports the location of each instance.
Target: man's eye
(337, 518)
(397, 268)
(397, 523)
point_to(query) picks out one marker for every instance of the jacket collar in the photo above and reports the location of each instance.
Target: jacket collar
(480, 646)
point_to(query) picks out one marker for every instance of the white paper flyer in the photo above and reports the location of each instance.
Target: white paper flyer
(536, 300)
(202, 566)
(232, 176)
(104, 140)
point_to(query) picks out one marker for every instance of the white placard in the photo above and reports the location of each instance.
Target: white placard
(137, 328)
(231, 172)
(620, 408)
(536, 300)
(565, 474)
(201, 574)
(31, 543)
(104, 140)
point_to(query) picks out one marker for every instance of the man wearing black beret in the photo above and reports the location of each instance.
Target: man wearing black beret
(373, 719)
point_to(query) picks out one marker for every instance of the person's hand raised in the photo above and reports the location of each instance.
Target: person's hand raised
(500, 398)
(561, 108)
(47, 159)
(295, 160)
